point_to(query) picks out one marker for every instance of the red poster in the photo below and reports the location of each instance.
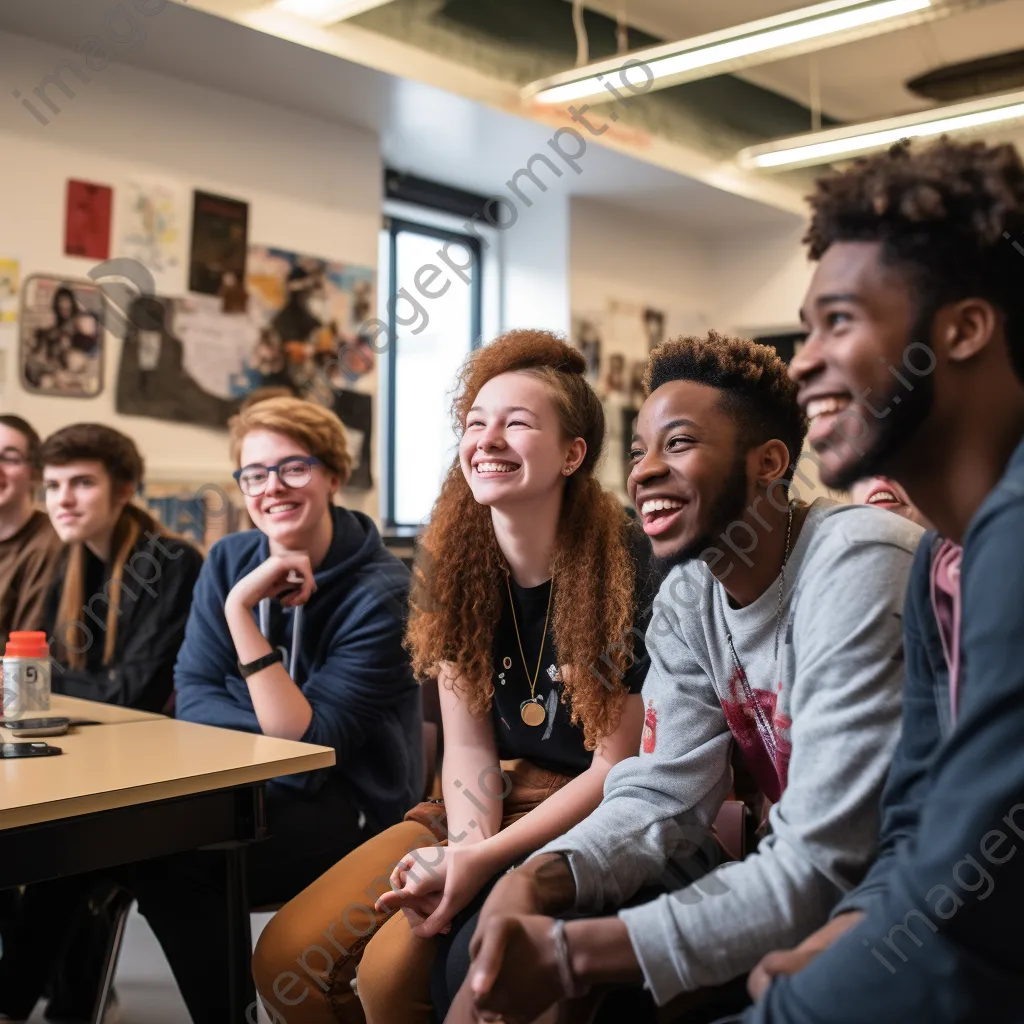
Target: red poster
(87, 226)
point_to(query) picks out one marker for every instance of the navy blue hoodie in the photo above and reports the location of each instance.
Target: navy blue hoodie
(943, 937)
(351, 666)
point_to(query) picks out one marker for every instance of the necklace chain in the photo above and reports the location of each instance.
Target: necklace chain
(519, 639)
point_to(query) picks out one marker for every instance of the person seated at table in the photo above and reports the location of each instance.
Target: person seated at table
(296, 632)
(536, 593)
(777, 629)
(29, 547)
(115, 616)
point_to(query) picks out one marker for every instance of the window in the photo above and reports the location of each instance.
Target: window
(436, 318)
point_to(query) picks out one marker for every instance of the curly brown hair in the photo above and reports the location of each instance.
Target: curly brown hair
(459, 592)
(946, 214)
(756, 387)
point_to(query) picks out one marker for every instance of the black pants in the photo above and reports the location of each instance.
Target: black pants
(183, 899)
(55, 939)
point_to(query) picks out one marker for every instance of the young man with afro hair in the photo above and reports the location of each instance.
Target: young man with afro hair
(912, 369)
(776, 631)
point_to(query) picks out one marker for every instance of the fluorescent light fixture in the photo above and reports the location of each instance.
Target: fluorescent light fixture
(326, 12)
(756, 42)
(842, 143)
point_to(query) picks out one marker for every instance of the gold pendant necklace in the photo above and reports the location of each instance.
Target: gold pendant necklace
(531, 711)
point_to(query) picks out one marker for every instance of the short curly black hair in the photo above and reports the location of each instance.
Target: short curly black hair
(947, 214)
(754, 380)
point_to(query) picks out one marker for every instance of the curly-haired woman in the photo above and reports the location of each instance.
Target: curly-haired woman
(532, 603)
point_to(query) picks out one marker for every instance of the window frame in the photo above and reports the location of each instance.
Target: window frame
(395, 226)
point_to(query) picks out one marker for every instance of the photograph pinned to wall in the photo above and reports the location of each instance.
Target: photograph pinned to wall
(61, 337)
(87, 220)
(587, 331)
(152, 219)
(182, 360)
(355, 410)
(654, 327)
(9, 285)
(310, 313)
(220, 238)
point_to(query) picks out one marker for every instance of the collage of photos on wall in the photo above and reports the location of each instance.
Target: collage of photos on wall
(207, 317)
(616, 340)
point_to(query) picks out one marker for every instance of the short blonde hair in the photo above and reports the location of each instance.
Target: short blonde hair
(317, 429)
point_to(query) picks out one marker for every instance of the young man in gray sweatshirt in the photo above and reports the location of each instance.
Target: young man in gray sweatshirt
(778, 629)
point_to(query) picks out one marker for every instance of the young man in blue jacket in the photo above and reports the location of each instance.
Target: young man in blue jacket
(296, 632)
(913, 368)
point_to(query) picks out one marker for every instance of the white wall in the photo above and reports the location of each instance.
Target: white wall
(740, 283)
(313, 188)
(761, 280)
(535, 260)
(617, 255)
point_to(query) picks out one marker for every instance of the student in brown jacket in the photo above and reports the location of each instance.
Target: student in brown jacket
(29, 547)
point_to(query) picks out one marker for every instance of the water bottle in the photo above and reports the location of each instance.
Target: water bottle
(26, 675)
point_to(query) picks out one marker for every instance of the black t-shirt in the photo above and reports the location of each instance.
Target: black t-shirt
(556, 744)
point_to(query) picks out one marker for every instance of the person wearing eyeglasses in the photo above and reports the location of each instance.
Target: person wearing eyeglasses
(295, 632)
(29, 547)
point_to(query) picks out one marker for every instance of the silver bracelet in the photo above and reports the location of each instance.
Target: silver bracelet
(571, 985)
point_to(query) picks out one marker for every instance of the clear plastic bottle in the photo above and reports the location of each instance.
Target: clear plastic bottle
(26, 687)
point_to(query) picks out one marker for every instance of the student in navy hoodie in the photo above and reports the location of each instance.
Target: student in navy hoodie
(913, 367)
(295, 632)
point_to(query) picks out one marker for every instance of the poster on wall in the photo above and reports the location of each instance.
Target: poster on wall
(220, 234)
(587, 330)
(182, 360)
(9, 285)
(61, 337)
(355, 410)
(87, 220)
(152, 219)
(310, 313)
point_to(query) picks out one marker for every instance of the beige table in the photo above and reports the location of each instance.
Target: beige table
(139, 786)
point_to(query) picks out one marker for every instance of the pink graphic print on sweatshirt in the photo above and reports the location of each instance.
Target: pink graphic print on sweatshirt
(768, 762)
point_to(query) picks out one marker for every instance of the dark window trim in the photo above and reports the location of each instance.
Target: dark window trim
(432, 195)
(396, 226)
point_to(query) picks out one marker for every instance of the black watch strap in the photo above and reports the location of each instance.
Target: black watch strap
(259, 664)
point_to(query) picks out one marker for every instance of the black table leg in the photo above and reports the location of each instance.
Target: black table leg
(243, 990)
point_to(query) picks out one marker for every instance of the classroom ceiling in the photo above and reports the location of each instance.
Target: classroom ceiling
(423, 129)
(858, 81)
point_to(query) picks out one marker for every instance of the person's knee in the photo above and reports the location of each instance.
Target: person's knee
(394, 974)
(289, 965)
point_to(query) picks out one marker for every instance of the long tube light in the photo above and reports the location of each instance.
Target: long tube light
(852, 140)
(327, 12)
(788, 34)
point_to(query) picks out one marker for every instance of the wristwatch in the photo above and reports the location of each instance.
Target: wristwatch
(274, 658)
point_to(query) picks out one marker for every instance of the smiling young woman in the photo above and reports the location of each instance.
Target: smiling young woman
(531, 600)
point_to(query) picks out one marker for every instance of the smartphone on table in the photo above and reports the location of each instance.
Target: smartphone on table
(35, 727)
(39, 749)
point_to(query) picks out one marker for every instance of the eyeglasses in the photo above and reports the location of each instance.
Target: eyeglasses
(12, 457)
(295, 471)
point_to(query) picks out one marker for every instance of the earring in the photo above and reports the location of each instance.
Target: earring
(566, 470)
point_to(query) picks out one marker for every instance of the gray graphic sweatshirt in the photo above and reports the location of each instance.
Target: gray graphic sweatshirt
(817, 727)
